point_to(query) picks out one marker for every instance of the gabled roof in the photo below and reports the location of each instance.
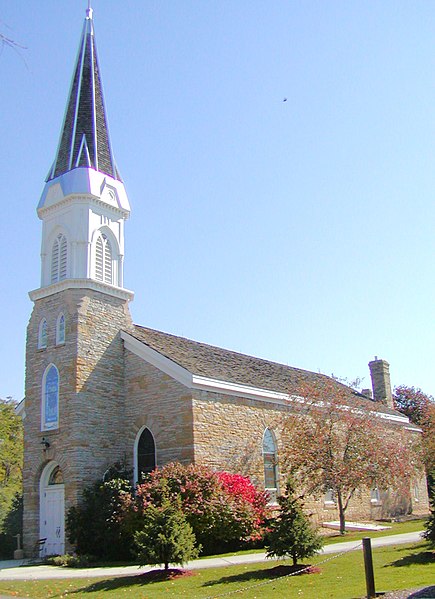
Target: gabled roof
(84, 139)
(220, 364)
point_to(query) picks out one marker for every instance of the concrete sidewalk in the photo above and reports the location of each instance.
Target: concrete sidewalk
(11, 570)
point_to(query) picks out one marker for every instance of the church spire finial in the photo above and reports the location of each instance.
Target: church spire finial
(89, 11)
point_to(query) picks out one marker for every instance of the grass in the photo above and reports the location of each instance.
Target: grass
(396, 529)
(336, 537)
(396, 567)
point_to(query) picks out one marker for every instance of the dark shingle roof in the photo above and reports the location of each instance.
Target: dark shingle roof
(84, 139)
(226, 365)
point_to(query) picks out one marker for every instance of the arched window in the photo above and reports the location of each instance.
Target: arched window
(145, 454)
(42, 334)
(103, 260)
(59, 259)
(50, 398)
(330, 496)
(270, 461)
(56, 477)
(60, 329)
(375, 495)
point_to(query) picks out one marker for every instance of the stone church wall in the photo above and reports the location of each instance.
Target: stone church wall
(157, 401)
(91, 395)
(228, 433)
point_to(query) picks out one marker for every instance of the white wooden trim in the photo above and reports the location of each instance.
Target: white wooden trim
(118, 292)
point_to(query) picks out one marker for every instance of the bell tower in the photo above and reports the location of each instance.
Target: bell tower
(75, 394)
(84, 204)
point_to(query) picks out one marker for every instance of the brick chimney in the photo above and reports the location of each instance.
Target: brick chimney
(381, 384)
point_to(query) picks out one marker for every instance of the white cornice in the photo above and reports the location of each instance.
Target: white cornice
(82, 199)
(117, 292)
(202, 383)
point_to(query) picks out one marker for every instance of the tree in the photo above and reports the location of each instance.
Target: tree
(292, 533)
(412, 402)
(165, 536)
(429, 533)
(337, 442)
(420, 409)
(11, 456)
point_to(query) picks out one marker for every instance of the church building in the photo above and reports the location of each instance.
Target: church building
(100, 389)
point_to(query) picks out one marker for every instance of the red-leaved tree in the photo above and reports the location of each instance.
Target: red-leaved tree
(335, 441)
(420, 409)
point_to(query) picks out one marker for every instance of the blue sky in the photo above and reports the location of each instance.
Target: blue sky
(298, 231)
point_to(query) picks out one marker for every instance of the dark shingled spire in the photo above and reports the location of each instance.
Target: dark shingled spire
(84, 139)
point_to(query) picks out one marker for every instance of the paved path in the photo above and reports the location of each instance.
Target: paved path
(10, 571)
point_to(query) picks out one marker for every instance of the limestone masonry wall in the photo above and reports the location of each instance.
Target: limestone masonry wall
(91, 394)
(228, 435)
(160, 403)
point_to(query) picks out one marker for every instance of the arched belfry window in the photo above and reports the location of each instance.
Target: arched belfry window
(42, 334)
(270, 461)
(60, 329)
(50, 398)
(145, 454)
(59, 259)
(103, 260)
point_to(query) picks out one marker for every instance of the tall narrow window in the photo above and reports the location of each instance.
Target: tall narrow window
(270, 461)
(50, 398)
(146, 454)
(42, 334)
(329, 497)
(59, 259)
(103, 260)
(375, 496)
(60, 329)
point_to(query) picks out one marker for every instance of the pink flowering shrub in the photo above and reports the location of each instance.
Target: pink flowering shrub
(224, 510)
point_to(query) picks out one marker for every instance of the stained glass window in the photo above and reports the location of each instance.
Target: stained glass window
(51, 398)
(270, 460)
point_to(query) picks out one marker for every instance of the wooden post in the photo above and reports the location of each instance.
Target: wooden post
(368, 564)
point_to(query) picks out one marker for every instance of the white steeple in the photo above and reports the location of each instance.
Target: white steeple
(84, 203)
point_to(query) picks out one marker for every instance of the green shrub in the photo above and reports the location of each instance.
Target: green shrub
(70, 561)
(165, 536)
(95, 526)
(11, 526)
(292, 533)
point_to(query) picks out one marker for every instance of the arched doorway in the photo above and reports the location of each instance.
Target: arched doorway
(52, 510)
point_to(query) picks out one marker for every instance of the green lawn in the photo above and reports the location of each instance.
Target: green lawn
(396, 528)
(336, 537)
(396, 567)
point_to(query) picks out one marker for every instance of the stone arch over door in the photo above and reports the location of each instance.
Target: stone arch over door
(52, 510)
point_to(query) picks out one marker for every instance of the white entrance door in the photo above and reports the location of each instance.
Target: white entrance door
(53, 520)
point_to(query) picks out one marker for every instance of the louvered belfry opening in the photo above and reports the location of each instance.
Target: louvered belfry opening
(103, 260)
(59, 259)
